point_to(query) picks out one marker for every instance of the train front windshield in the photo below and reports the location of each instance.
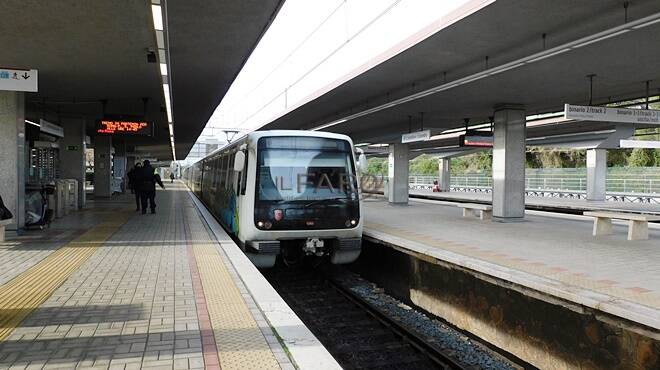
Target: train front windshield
(305, 179)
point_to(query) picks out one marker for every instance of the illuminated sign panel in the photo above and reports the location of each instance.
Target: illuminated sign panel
(476, 139)
(123, 127)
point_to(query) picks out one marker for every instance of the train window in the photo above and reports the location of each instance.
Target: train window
(216, 172)
(230, 171)
(223, 171)
(305, 168)
(244, 174)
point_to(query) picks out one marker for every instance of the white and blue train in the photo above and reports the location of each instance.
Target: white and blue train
(292, 194)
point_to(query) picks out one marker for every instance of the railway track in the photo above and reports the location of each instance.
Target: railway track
(358, 335)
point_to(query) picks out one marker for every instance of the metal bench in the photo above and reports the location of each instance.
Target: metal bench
(4, 223)
(470, 209)
(638, 224)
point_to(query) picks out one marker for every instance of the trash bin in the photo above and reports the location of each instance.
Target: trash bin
(60, 198)
(72, 195)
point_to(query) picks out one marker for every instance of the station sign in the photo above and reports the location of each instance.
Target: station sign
(50, 128)
(416, 136)
(607, 114)
(19, 79)
(479, 139)
(646, 144)
(124, 127)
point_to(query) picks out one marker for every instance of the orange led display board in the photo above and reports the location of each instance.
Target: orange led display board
(124, 127)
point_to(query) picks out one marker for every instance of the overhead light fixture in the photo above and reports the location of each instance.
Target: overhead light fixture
(168, 106)
(589, 42)
(478, 77)
(160, 22)
(333, 123)
(646, 24)
(548, 55)
(500, 70)
(32, 123)
(157, 14)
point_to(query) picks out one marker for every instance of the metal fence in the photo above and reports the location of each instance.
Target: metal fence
(639, 180)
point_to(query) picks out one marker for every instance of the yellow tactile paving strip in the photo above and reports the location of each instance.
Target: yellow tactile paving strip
(240, 342)
(27, 291)
(533, 267)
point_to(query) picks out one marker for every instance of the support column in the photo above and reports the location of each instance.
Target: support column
(596, 173)
(397, 184)
(72, 154)
(444, 171)
(509, 163)
(119, 163)
(12, 155)
(102, 166)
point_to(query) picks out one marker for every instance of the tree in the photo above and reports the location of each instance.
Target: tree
(377, 166)
(424, 165)
(641, 157)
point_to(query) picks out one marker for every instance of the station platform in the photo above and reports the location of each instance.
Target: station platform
(109, 288)
(543, 203)
(551, 254)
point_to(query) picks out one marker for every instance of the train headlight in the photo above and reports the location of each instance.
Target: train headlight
(260, 224)
(350, 223)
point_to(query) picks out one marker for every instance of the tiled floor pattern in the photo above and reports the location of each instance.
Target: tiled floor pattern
(23, 294)
(132, 303)
(240, 342)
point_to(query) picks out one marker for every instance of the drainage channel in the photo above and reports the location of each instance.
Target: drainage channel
(363, 328)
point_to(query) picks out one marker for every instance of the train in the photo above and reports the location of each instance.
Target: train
(293, 195)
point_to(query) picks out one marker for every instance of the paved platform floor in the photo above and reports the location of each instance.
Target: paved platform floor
(555, 255)
(108, 288)
(570, 204)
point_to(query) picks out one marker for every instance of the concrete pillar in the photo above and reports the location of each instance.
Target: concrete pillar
(12, 155)
(444, 172)
(397, 168)
(596, 173)
(102, 166)
(509, 163)
(119, 162)
(72, 154)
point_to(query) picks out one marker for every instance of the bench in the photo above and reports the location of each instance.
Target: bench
(4, 223)
(638, 224)
(470, 209)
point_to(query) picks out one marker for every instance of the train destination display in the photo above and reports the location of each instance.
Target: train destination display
(124, 127)
(473, 138)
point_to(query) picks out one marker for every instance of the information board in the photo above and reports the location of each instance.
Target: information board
(480, 139)
(124, 127)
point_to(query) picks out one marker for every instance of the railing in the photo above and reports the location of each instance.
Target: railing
(620, 185)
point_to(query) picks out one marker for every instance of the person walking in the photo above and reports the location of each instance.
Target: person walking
(133, 184)
(147, 179)
(172, 177)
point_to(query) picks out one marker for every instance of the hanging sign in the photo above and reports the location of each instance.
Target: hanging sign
(18, 79)
(416, 136)
(50, 128)
(607, 114)
(124, 127)
(472, 138)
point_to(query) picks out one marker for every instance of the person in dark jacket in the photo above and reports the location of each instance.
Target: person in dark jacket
(172, 177)
(133, 185)
(147, 179)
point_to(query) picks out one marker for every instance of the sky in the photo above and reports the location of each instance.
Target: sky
(312, 44)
